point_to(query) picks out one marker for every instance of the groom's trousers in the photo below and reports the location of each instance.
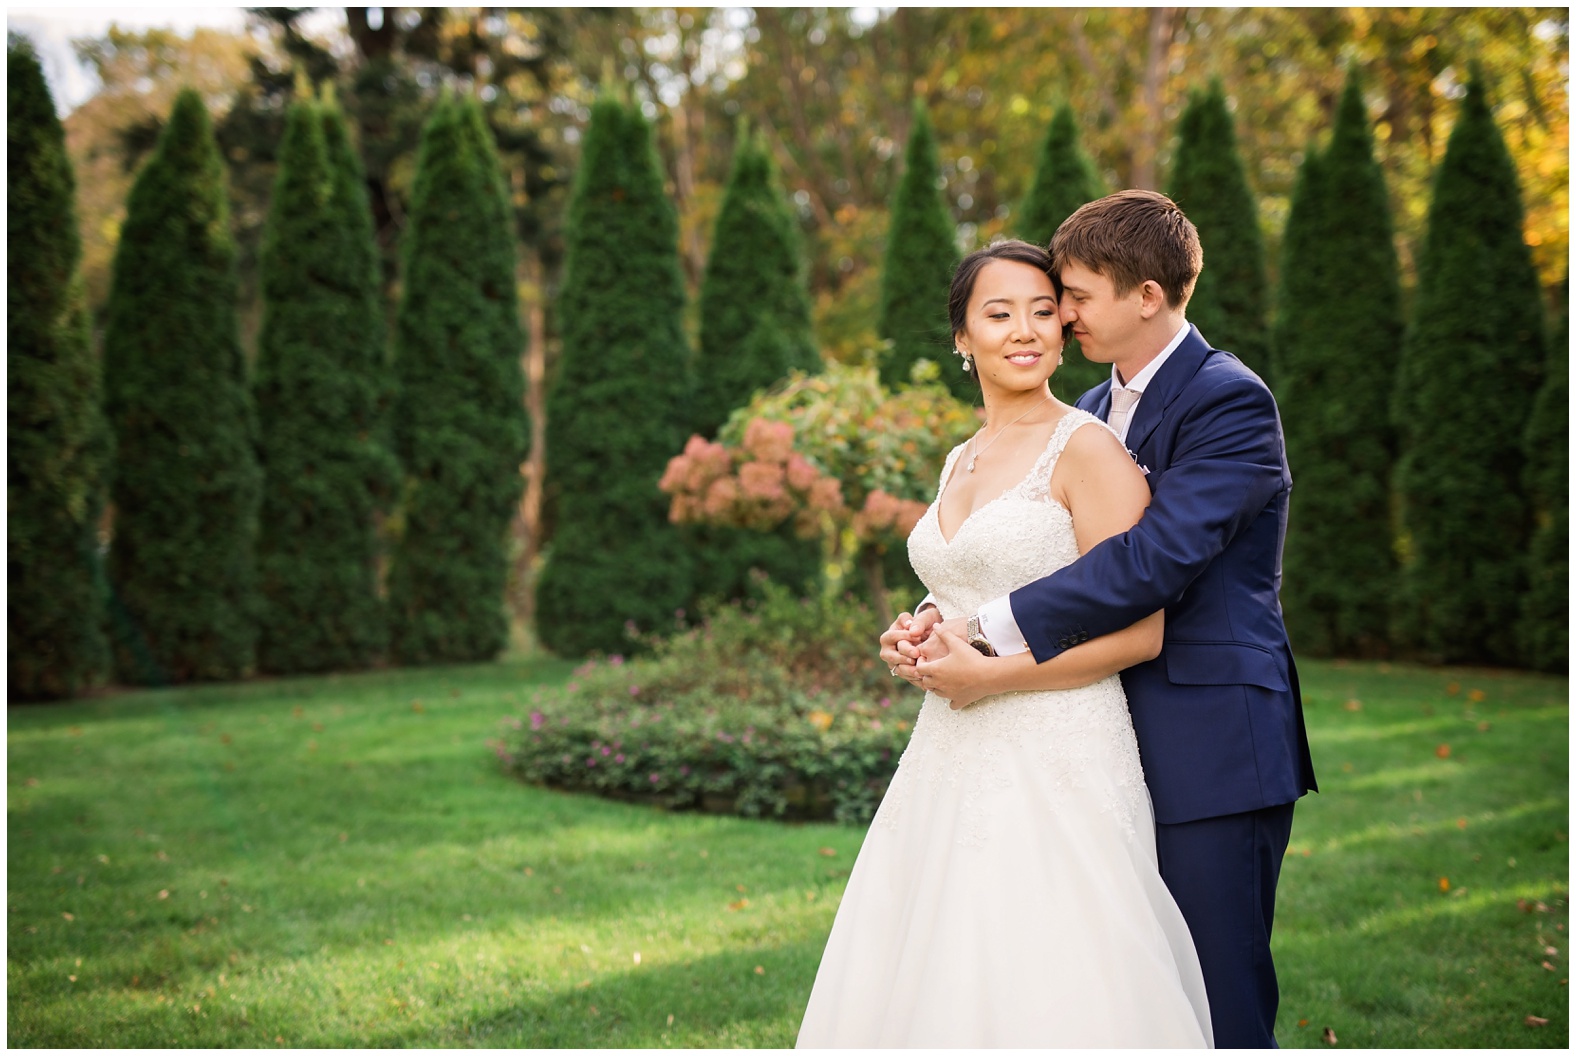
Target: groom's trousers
(1222, 873)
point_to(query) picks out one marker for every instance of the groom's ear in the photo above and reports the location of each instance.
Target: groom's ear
(1151, 299)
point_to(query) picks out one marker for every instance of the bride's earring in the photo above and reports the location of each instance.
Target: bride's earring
(1060, 359)
(968, 363)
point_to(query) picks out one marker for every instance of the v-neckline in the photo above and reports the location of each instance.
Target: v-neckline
(1008, 491)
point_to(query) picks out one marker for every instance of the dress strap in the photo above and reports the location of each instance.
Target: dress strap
(1037, 484)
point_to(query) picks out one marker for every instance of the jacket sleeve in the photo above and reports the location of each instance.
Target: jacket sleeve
(1226, 466)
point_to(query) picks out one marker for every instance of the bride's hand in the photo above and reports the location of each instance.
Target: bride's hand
(949, 667)
(900, 642)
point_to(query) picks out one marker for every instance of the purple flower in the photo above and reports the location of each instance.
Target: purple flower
(616, 660)
(683, 771)
(634, 691)
(886, 702)
(590, 762)
(619, 758)
(655, 778)
(606, 750)
(537, 719)
(572, 686)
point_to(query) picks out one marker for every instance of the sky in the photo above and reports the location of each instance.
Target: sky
(52, 29)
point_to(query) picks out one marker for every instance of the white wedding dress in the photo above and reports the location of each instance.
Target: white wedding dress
(1007, 893)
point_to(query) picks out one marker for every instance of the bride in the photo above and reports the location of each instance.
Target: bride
(1008, 892)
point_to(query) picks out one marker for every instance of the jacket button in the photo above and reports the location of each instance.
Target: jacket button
(1062, 644)
(1083, 636)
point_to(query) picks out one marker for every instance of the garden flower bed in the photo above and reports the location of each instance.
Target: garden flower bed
(777, 709)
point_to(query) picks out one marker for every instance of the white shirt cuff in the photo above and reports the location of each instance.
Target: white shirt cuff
(930, 599)
(1000, 627)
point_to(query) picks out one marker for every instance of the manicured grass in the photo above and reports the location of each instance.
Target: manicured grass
(340, 862)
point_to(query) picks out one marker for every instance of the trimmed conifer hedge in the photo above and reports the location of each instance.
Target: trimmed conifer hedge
(619, 406)
(1064, 179)
(921, 255)
(1333, 374)
(322, 396)
(57, 453)
(1231, 300)
(186, 482)
(754, 328)
(1545, 610)
(1469, 371)
(460, 426)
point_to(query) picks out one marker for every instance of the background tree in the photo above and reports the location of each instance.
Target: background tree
(1231, 301)
(1545, 610)
(1469, 369)
(321, 393)
(460, 424)
(619, 406)
(754, 329)
(921, 254)
(57, 444)
(1064, 179)
(1334, 371)
(186, 482)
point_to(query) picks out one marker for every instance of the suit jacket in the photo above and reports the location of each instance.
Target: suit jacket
(1219, 713)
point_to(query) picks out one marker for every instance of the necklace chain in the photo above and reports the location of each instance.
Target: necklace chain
(975, 439)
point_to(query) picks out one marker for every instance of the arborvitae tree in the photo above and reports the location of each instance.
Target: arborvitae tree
(186, 481)
(754, 327)
(1064, 180)
(921, 255)
(1333, 374)
(754, 280)
(1545, 609)
(618, 408)
(320, 397)
(1208, 181)
(460, 425)
(57, 441)
(1469, 371)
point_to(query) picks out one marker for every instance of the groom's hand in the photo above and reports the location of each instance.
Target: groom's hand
(950, 667)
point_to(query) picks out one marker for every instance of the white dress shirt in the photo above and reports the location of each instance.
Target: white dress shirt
(997, 623)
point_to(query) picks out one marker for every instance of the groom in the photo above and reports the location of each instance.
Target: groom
(1218, 713)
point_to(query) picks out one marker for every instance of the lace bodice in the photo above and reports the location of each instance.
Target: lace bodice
(979, 565)
(1079, 735)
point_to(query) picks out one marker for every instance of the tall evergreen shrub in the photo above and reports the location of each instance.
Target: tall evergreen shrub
(1545, 609)
(619, 404)
(460, 425)
(320, 391)
(186, 481)
(754, 327)
(1469, 371)
(1064, 179)
(57, 450)
(921, 255)
(754, 303)
(1337, 347)
(1231, 301)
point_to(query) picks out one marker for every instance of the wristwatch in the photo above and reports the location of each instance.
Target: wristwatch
(976, 639)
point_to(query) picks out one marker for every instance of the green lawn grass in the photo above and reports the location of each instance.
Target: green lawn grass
(339, 862)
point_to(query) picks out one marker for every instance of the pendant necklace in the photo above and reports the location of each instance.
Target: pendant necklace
(975, 439)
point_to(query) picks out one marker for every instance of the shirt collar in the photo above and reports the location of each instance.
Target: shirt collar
(1142, 379)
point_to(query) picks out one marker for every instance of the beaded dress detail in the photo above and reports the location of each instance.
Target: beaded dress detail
(1008, 892)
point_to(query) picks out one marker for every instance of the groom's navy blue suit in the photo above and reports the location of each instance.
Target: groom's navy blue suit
(1219, 712)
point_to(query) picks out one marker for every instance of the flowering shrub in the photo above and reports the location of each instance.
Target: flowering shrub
(781, 708)
(835, 454)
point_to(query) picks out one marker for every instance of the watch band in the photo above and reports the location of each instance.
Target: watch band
(975, 638)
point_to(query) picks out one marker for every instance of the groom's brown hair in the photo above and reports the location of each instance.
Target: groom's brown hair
(1131, 236)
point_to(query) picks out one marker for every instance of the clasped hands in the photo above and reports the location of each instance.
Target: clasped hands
(933, 654)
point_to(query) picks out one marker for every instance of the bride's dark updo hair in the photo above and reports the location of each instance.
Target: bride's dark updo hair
(1013, 249)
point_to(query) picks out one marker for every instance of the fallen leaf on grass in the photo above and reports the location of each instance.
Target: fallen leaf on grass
(344, 836)
(1302, 1022)
(582, 984)
(740, 904)
(415, 706)
(1547, 967)
(1483, 727)
(1536, 1021)
(1551, 951)
(1444, 883)
(637, 956)
(828, 852)
(670, 1019)
(1461, 823)
(760, 969)
(164, 894)
(72, 978)
(1453, 688)
(1443, 751)
(1354, 705)
(1329, 1036)
(68, 916)
(1476, 696)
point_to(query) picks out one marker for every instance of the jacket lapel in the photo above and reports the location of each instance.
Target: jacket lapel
(1167, 385)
